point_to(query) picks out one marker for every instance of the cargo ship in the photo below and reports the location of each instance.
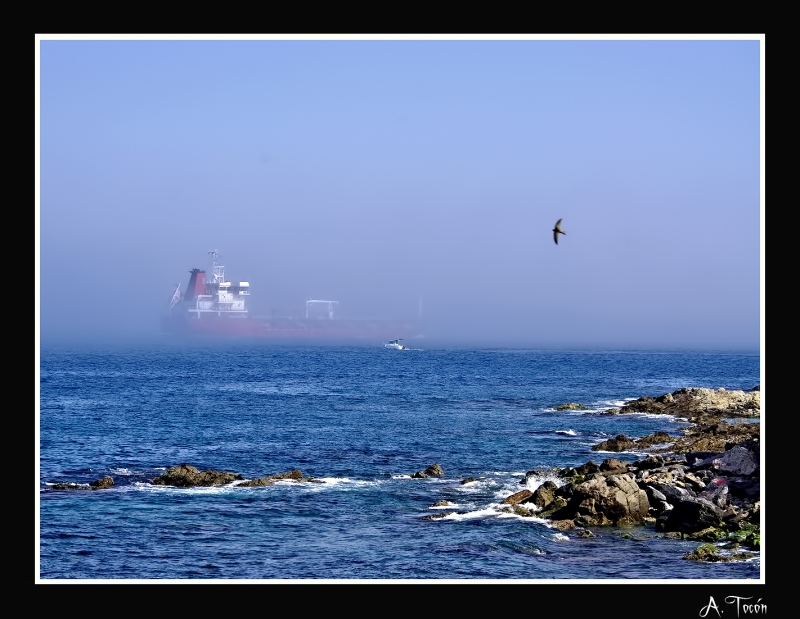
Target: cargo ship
(215, 306)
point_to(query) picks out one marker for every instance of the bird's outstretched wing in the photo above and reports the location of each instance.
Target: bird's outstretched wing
(556, 231)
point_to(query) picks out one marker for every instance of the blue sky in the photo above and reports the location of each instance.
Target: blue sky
(382, 172)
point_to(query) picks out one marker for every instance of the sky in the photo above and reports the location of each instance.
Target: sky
(405, 178)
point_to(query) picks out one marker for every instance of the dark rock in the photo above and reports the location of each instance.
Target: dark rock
(691, 515)
(716, 492)
(522, 511)
(602, 501)
(100, 484)
(563, 525)
(261, 481)
(673, 494)
(437, 516)
(696, 484)
(571, 406)
(657, 438)
(588, 468)
(186, 476)
(69, 486)
(434, 470)
(612, 466)
(543, 495)
(748, 487)
(709, 553)
(697, 459)
(518, 497)
(618, 443)
(650, 462)
(555, 505)
(661, 507)
(294, 475)
(738, 460)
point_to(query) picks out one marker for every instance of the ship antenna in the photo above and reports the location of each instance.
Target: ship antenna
(217, 269)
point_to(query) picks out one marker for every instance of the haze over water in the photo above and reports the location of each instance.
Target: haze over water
(394, 175)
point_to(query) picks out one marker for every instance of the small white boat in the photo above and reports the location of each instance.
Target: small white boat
(395, 345)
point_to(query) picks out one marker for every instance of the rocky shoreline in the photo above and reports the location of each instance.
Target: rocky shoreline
(703, 485)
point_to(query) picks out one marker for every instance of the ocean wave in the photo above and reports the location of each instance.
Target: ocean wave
(471, 515)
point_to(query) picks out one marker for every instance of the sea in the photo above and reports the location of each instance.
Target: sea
(360, 420)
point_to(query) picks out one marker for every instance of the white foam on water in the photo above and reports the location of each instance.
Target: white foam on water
(345, 481)
(630, 452)
(504, 514)
(474, 487)
(534, 481)
(183, 490)
(567, 432)
(448, 506)
(478, 513)
(121, 471)
(560, 537)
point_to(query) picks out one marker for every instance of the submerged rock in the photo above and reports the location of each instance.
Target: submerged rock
(100, 484)
(710, 554)
(437, 516)
(571, 406)
(69, 486)
(295, 475)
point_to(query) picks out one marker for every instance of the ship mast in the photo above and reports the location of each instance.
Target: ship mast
(217, 269)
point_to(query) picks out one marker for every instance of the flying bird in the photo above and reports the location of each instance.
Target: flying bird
(557, 230)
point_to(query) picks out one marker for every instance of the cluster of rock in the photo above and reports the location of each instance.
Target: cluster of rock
(187, 476)
(694, 403)
(100, 484)
(706, 488)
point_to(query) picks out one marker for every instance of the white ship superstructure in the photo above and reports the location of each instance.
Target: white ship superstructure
(217, 296)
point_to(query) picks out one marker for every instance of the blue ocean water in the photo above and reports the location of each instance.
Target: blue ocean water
(362, 420)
